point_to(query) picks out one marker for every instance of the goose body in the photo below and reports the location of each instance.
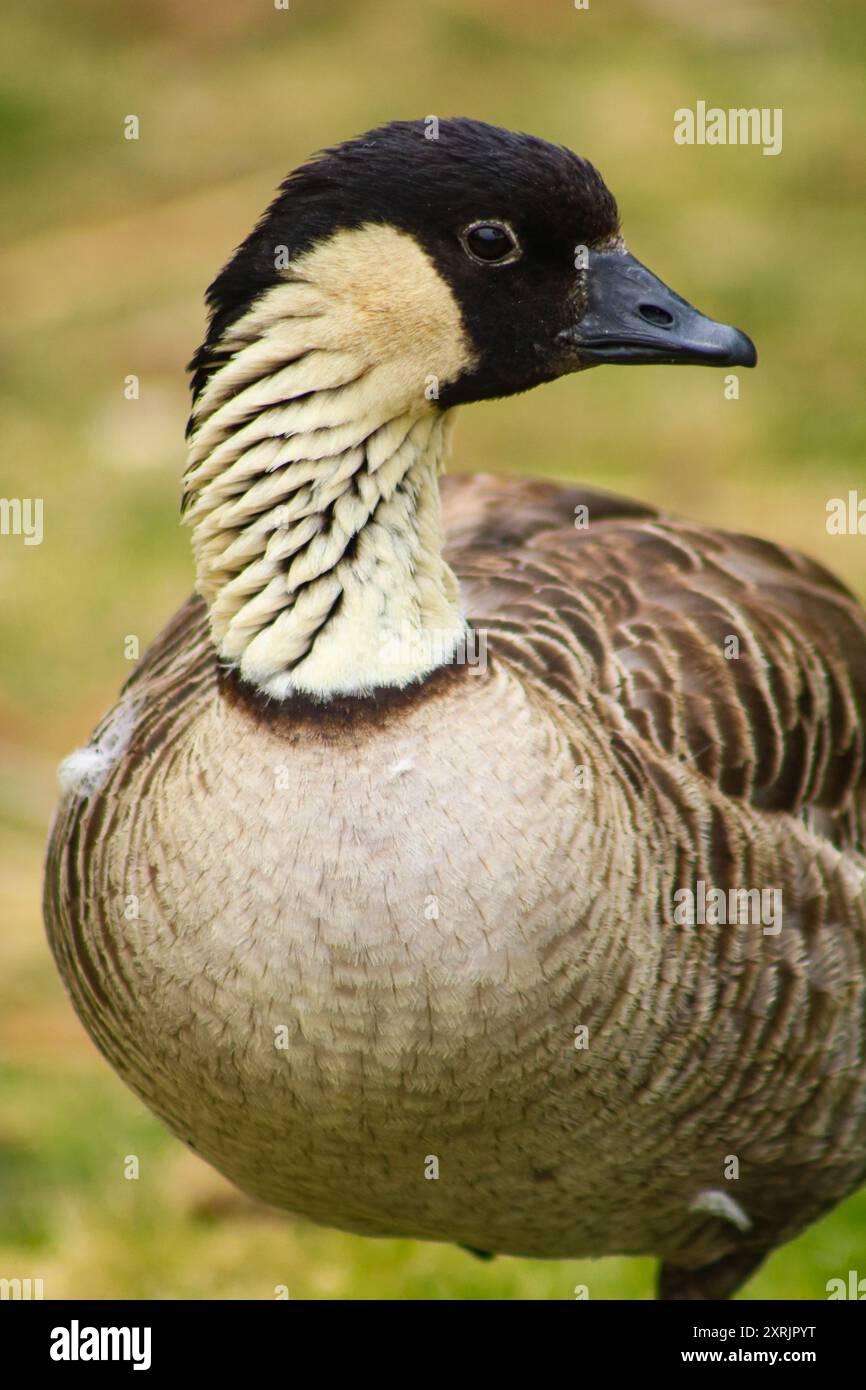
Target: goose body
(383, 919)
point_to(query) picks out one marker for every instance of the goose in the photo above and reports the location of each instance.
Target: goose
(371, 885)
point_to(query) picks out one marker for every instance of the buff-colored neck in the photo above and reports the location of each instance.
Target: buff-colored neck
(312, 483)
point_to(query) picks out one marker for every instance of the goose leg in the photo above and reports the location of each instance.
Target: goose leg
(714, 1281)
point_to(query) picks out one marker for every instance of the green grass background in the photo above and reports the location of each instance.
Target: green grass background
(105, 250)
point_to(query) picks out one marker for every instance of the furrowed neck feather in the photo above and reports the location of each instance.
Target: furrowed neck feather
(312, 480)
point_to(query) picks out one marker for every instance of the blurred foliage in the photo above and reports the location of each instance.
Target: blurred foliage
(104, 255)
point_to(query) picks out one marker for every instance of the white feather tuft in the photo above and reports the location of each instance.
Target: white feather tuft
(717, 1203)
(85, 770)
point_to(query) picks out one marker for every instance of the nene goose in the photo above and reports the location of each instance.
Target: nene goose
(368, 885)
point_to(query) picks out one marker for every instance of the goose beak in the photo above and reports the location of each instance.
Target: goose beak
(632, 317)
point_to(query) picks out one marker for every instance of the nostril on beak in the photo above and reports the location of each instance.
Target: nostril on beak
(660, 318)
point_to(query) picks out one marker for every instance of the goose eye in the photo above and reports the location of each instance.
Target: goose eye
(490, 242)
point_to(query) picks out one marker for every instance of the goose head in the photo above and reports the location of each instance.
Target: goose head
(475, 264)
(392, 277)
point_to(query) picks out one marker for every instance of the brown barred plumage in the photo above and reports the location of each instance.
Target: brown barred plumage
(704, 1041)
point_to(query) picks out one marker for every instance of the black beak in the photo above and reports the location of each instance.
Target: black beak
(632, 317)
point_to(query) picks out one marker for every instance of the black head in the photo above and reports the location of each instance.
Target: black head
(525, 234)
